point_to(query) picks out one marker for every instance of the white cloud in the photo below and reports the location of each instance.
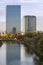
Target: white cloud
(36, 12)
(31, 1)
(2, 14)
(9, 2)
(39, 23)
(2, 26)
(32, 9)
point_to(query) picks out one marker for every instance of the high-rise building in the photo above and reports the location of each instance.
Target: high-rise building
(13, 18)
(14, 30)
(28, 24)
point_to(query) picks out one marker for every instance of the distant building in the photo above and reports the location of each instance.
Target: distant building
(28, 24)
(14, 30)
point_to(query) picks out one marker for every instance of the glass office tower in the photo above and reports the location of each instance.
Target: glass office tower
(13, 18)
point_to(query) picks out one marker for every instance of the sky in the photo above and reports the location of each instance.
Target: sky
(28, 7)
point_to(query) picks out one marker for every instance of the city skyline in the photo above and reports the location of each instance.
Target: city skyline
(33, 7)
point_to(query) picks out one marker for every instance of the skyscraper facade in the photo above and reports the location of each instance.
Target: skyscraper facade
(28, 24)
(13, 18)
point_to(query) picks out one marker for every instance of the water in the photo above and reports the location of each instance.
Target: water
(3, 55)
(14, 54)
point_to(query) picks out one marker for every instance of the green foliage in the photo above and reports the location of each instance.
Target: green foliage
(40, 45)
(30, 34)
(41, 41)
(35, 40)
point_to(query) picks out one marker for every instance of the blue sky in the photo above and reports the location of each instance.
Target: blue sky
(28, 7)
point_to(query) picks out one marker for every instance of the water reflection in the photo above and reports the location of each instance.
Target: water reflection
(25, 59)
(15, 54)
(3, 55)
(29, 58)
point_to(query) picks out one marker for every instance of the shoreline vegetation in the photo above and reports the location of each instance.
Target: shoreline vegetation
(34, 39)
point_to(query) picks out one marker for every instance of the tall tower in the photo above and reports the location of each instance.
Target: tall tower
(28, 24)
(13, 18)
